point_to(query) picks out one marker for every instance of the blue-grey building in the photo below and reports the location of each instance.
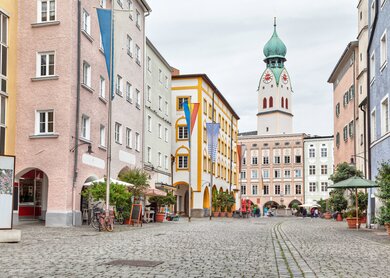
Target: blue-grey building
(378, 86)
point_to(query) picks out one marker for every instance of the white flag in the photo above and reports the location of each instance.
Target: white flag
(212, 139)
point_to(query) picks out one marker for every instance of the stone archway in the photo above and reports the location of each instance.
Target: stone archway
(294, 202)
(206, 198)
(85, 202)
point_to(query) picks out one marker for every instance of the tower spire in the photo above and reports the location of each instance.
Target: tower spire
(275, 23)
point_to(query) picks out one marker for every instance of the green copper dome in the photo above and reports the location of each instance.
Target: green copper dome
(275, 48)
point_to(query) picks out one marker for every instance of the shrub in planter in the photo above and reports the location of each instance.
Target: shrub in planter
(350, 216)
(162, 201)
(383, 181)
(230, 201)
(216, 204)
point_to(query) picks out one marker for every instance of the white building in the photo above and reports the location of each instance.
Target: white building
(157, 123)
(318, 164)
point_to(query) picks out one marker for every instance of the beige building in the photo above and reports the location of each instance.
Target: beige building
(345, 104)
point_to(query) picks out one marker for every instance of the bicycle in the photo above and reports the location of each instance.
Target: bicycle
(118, 216)
(100, 221)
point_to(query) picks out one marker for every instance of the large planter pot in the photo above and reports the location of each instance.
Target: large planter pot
(339, 217)
(327, 215)
(352, 222)
(229, 214)
(215, 213)
(363, 220)
(222, 214)
(160, 217)
(387, 226)
(127, 221)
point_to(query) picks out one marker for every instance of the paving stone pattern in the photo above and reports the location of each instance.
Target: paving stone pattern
(255, 247)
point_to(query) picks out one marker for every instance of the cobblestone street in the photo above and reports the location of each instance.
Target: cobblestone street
(265, 247)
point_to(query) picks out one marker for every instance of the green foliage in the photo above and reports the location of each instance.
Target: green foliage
(295, 206)
(351, 213)
(345, 171)
(138, 178)
(216, 201)
(362, 200)
(161, 201)
(323, 204)
(383, 181)
(223, 196)
(337, 200)
(120, 196)
(230, 201)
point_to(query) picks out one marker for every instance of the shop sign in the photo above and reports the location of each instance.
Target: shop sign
(7, 174)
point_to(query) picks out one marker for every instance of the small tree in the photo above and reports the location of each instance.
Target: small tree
(230, 201)
(216, 201)
(383, 181)
(345, 171)
(337, 200)
(138, 178)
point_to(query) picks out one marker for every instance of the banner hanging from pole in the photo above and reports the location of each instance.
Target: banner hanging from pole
(191, 113)
(212, 139)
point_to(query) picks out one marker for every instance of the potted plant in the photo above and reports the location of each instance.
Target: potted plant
(160, 202)
(230, 201)
(362, 204)
(222, 201)
(216, 204)
(351, 218)
(338, 202)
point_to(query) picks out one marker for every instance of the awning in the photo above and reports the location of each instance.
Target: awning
(112, 181)
(154, 192)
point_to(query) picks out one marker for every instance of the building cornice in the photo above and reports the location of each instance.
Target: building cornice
(365, 28)
(275, 111)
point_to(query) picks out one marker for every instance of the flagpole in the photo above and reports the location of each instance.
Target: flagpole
(212, 161)
(189, 178)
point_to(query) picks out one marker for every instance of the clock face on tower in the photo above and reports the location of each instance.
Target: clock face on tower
(267, 78)
(285, 78)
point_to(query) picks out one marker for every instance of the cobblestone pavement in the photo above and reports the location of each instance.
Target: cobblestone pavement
(265, 247)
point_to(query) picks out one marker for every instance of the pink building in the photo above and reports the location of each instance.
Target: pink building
(61, 108)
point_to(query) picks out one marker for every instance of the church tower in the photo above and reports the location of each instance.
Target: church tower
(274, 92)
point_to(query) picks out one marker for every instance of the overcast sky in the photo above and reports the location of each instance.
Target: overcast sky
(225, 40)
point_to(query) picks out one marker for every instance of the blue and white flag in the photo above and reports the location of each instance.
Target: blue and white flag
(212, 139)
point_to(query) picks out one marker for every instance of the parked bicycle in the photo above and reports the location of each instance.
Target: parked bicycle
(101, 221)
(118, 214)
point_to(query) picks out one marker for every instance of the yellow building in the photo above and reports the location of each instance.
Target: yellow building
(198, 88)
(8, 37)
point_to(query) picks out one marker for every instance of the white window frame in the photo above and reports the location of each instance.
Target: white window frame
(138, 95)
(87, 74)
(38, 119)
(47, 64)
(137, 141)
(138, 19)
(265, 173)
(86, 127)
(149, 154)
(182, 133)
(255, 190)
(102, 136)
(373, 125)
(129, 138)
(182, 164)
(372, 66)
(159, 131)
(254, 174)
(372, 12)
(166, 162)
(102, 87)
(384, 115)
(149, 93)
(160, 103)
(312, 186)
(166, 135)
(119, 85)
(129, 46)
(159, 159)
(86, 27)
(324, 169)
(312, 170)
(287, 189)
(383, 50)
(324, 152)
(118, 133)
(312, 152)
(129, 92)
(149, 64)
(137, 54)
(166, 108)
(39, 11)
(149, 122)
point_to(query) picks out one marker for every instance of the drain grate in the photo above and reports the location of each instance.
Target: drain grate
(135, 263)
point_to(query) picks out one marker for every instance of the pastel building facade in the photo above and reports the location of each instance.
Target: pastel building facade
(198, 88)
(318, 166)
(8, 70)
(157, 123)
(129, 74)
(345, 105)
(379, 84)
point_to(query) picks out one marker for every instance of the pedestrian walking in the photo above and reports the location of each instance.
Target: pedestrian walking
(316, 213)
(304, 212)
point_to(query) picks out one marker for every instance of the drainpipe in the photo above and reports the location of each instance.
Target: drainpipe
(76, 150)
(354, 104)
(231, 152)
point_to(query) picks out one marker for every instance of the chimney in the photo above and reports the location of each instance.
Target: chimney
(175, 71)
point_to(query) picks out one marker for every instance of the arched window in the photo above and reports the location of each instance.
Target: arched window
(282, 102)
(271, 102)
(286, 103)
(264, 103)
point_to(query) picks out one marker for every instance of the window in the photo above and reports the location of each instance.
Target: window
(160, 131)
(103, 4)
(383, 2)
(166, 108)
(138, 95)
(324, 152)
(131, 9)
(254, 174)
(102, 136)
(129, 92)
(373, 126)
(149, 155)
(243, 189)
(271, 102)
(298, 173)
(254, 189)
(45, 64)
(46, 10)
(345, 133)
(298, 159)
(337, 139)
(345, 99)
(266, 189)
(44, 121)
(182, 133)
(149, 123)
(87, 74)
(324, 186)
(265, 160)
(287, 189)
(138, 55)
(119, 85)
(243, 175)
(312, 152)
(166, 135)
(166, 162)
(287, 159)
(180, 101)
(86, 22)
(138, 19)
(385, 116)
(298, 189)
(266, 174)
(85, 127)
(372, 67)
(351, 93)
(372, 12)
(159, 162)
(324, 169)
(264, 103)
(350, 128)
(337, 110)
(277, 159)
(312, 187)
(129, 138)
(254, 160)
(312, 169)
(129, 46)
(277, 174)
(137, 141)
(102, 88)
(277, 189)
(160, 103)
(118, 133)
(287, 173)
(182, 162)
(166, 82)
(149, 64)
